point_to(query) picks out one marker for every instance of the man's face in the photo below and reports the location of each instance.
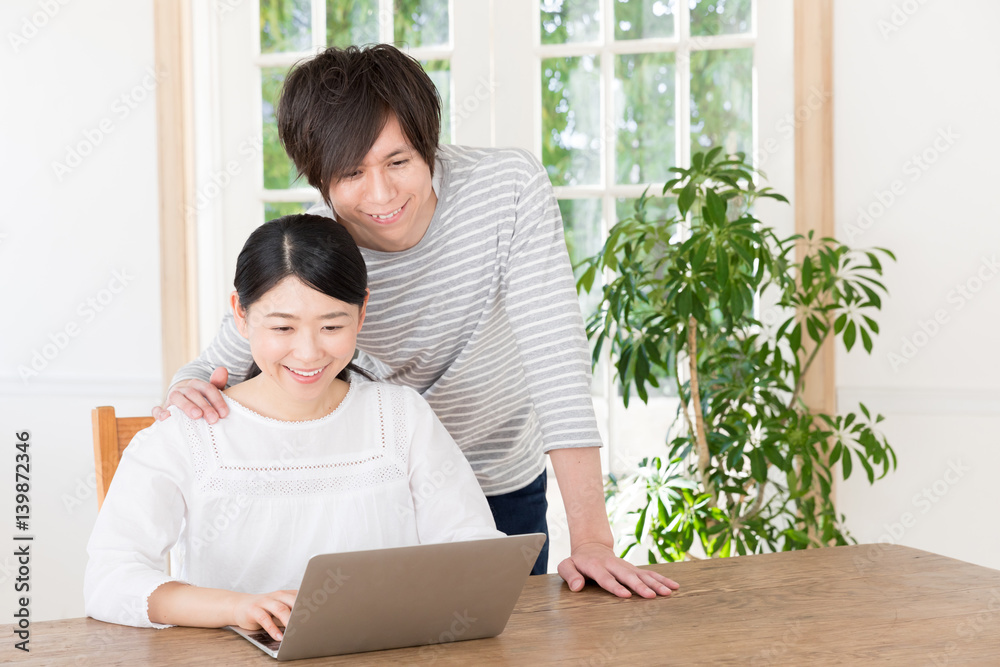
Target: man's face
(388, 202)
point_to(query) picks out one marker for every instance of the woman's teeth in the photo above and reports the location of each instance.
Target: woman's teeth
(303, 374)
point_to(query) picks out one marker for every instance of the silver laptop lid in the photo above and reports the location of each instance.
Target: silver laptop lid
(408, 596)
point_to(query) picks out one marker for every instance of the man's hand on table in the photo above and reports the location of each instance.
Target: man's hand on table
(197, 398)
(599, 562)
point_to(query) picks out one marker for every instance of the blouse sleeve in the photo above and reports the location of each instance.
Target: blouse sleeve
(137, 526)
(448, 501)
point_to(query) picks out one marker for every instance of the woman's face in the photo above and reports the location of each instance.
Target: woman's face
(299, 337)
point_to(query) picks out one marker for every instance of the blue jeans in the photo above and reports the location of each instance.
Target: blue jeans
(523, 511)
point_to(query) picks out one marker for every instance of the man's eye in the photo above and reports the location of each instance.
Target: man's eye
(333, 327)
(400, 163)
(281, 329)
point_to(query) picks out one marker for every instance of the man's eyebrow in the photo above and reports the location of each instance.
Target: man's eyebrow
(328, 316)
(398, 151)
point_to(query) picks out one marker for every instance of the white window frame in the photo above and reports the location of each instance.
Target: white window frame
(496, 56)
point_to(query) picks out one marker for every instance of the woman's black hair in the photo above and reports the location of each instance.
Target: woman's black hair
(316, 250)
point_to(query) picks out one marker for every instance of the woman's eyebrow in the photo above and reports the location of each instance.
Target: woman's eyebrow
(328, 316)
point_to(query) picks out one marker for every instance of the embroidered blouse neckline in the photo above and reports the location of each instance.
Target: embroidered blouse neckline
(283, 422)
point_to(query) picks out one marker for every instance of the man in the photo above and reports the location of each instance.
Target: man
(472, 301)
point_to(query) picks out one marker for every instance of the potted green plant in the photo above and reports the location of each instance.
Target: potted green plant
(749, 466)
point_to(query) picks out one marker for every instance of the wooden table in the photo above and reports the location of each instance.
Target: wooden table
(845, 605)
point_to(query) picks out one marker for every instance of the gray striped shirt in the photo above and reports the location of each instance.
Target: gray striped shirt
(480, 317)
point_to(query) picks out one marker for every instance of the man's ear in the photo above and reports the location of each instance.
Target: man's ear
(239, 313)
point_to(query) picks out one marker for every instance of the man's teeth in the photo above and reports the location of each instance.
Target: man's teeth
(306, 375)
(387, 215)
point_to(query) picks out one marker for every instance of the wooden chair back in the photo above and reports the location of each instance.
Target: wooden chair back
(111, 436)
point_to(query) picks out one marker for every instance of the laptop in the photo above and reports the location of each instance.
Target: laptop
(403, 596)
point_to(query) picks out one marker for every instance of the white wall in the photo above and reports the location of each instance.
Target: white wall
(61, 240)
(916, 80)
(64, 237)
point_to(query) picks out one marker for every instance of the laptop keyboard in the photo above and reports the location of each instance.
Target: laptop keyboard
(266, 640)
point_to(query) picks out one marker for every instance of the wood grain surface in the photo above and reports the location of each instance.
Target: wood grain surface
(854, 605)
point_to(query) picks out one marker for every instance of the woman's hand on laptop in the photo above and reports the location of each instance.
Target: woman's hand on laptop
(259, 612)
(197, 398)
(599, 562)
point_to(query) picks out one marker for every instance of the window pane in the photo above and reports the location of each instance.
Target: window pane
(720, 17)
(570, 21)
(440, 73)
(722, 100)
(279, 172)
(642, 19)
(657, 208)
(571, 120)
(274, 210)
(582, 225)
(644, 117)
(285, 25)
(421, 23)
(351, 22)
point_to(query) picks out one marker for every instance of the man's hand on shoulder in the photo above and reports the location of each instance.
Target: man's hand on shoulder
(197, 398)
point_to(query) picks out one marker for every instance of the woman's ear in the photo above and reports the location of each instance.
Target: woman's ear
(364, 307)
(239, 314)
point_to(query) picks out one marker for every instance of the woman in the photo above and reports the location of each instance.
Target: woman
(313, 459)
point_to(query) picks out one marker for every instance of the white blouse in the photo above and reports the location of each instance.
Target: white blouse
(245, 503)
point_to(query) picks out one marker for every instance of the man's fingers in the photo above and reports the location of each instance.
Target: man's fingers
(658, 580)
(567, 570)
(616, 576)
(609, 582)
(178, 399)
(197, 398)
(220, 376)
(195, 393)
(634, 581)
